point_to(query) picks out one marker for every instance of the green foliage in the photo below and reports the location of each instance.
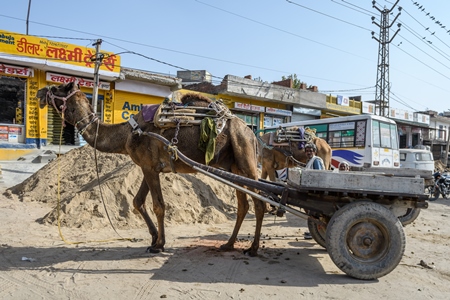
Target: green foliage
(295, 81)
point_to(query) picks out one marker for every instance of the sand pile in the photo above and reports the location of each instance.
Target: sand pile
(71, 180)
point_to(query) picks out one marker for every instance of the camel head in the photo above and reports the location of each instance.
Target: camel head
(68, 100)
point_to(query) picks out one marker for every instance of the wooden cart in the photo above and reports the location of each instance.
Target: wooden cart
(354, 215)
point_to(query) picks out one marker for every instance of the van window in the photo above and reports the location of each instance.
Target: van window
(423, 157)
(402, 156)
(417, 156)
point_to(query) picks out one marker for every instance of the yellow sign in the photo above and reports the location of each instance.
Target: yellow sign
(341, 108)
(35, 47)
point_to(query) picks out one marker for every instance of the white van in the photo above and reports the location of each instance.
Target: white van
(420, 159)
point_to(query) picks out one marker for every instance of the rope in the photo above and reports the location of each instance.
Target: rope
(172, 149)
(58, 206)
(223, 114)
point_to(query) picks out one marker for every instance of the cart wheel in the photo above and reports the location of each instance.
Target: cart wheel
(318, 233)
(410, 216)
(365, 240)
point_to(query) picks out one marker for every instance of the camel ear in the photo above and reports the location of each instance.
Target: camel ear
(72, 86)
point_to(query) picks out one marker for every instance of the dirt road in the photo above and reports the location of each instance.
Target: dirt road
(35, 263)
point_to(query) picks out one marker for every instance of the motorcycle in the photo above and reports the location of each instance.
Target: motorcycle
(441, 186)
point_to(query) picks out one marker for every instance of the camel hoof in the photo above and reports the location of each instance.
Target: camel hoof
(226, 247)
(251, 252)
(154, 250)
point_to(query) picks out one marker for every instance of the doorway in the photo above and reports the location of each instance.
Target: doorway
(12, 99)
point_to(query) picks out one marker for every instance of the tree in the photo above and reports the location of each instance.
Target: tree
(295, 81)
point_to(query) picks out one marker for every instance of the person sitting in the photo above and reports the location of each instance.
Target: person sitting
(313, 161)
(344, 166)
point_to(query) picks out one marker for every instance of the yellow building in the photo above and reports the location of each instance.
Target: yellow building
(29, 63)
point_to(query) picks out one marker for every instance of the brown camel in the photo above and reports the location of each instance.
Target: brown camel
(278, 157)
(235, 152)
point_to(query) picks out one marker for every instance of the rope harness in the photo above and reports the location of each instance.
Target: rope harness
(61, 109)
(289, 136)
(220, 116)
(94, 119)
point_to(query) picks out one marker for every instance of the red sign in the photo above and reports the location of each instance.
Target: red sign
(17, 71)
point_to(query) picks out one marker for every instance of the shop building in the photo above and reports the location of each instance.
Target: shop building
(341, 105)
(437, 135)
(262, 104)
(29, 63)
(412, 127)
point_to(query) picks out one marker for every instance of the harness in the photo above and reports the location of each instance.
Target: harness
(63, 108)
(170, 115)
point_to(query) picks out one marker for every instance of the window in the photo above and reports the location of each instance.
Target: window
(394, 136)
(376, 133)
(360, 139)
(385, 134)
(321, 130)
(342, 135)
(423, 157)
(252, 120)
(441, 132)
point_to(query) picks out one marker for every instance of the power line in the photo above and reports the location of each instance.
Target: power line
(427, 29)
(329, 16)
(248, 19)
(369, 13)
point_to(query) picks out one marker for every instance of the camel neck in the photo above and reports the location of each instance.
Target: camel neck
(110, 138)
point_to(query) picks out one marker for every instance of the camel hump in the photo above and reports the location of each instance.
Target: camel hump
(192, 99)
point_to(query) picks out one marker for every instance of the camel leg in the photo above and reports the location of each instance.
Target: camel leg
(259, 214)
(263, 173)
(154, 184)
(139, 205)
(271, 172)
(242, 210)
(268, 170)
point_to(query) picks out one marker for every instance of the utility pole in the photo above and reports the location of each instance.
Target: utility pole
(447, 146)
(98, 61)
(382, 87)
(28, 13)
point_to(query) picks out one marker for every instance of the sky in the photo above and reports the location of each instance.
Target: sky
(326, 43)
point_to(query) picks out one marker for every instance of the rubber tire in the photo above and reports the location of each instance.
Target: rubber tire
(318, 233)
(360, 222)
(434, 194)
(410, 216)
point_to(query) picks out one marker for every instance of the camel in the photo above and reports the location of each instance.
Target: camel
(279, 157)
(235, 151)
